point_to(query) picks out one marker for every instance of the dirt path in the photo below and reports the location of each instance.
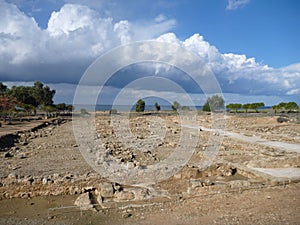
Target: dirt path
(256, 140)
(292, 173)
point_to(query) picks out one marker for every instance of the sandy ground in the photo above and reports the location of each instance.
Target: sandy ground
(265, 189)
(278, 205)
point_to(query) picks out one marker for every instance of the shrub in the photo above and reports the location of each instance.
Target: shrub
(113, 111)
(175, 106)
(83, 112)
(140, 106)
(282, 119)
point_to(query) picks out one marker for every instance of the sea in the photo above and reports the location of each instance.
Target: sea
(121, 108)
(124, 108)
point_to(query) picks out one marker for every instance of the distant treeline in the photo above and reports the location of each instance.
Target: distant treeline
(281, 107)
(18, 100)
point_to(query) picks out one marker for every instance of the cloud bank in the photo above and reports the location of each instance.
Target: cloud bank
(77, 34)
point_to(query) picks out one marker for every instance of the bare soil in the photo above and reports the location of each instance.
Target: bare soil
(43, 172)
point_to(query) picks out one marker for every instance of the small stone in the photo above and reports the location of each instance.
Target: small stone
(12, 176)
(22, 156)
(44, 180)
(130, 165)
(208, 182)
(196, 183)
(126, 215)
(177, 176)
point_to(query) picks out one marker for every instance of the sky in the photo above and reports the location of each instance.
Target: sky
(251, 46)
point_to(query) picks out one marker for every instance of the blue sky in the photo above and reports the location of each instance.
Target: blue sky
(251, 45)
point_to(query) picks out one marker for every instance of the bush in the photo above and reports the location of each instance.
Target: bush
(282, 119)
(113, 111)
(206, 107)
(214, 103)
(175, 106)
(83, 112)
(140, 106)
(157, 106)
(185, 108)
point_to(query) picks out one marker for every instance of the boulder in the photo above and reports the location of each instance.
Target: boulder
(84, 202)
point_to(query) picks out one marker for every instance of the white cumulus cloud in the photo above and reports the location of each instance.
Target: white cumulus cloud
(77, 34)
(235, 4)
(238, 73)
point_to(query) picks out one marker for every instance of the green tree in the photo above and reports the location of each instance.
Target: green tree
(70, 108)
(234, 106)
(28, 108)
(246, 106)
(38, 95)
(157, 106)
(140, 106)
(61, 107)
(275, 108)
(206, 107)
(24, 95)
(214, 103)
(281, 106)
(256, 105)
(43, 94)
(175, 106)
(291, 106)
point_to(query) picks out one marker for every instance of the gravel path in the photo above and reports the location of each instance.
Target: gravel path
(252, 139)
(292, 173)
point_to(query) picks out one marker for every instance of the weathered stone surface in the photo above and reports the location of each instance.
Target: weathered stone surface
(239, 183)
(196, 183)
(106, 190)
(190, 173)
(84, 202)
(208, 182)
(141, 194)
(124, 195)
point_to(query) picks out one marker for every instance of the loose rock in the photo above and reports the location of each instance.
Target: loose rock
(84, 202)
